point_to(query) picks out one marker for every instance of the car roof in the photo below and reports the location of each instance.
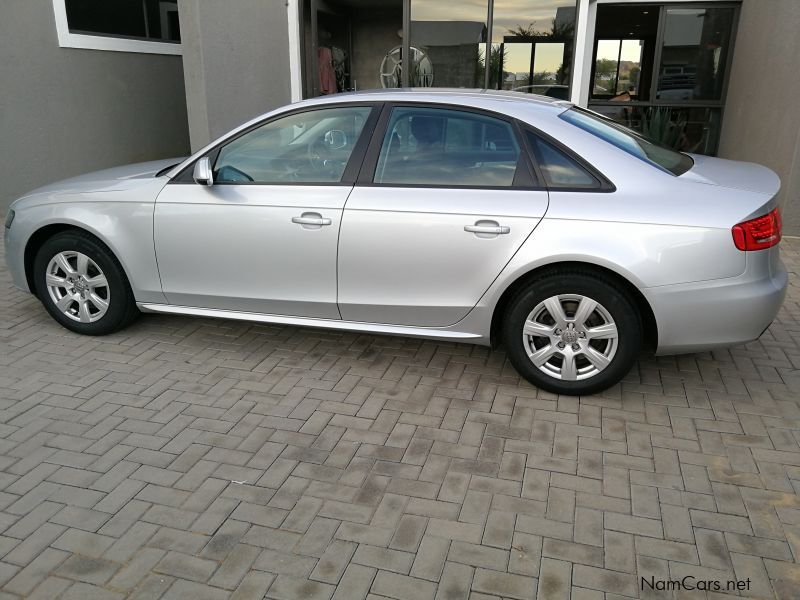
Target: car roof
(505, 101)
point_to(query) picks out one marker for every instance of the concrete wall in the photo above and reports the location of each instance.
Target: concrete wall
(374, 34)
(65, 111)
(235, 62)
(762, 112)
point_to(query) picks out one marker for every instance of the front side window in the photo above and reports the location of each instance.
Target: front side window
(628, 140)
(151, 20)
(309, 147)
(433, 146)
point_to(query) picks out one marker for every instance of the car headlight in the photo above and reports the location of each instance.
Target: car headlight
(9, 218)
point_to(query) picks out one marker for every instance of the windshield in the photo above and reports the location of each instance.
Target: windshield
(628, 140)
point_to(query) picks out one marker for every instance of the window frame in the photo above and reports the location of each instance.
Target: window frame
(525, 177)
(663, 7)
(68, 39)
(186, 174)
(605, 185)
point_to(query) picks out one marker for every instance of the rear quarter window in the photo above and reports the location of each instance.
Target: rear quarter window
(559, 170)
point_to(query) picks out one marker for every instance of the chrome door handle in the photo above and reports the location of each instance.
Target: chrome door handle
(311, 220)
(488, 228)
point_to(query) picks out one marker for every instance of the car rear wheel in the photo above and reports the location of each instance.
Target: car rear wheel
(574, 333)
(82, 285)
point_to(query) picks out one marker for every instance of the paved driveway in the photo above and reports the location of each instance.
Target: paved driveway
(192, 458)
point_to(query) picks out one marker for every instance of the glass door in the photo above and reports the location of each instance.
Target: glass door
(448, 43)
(350, 46)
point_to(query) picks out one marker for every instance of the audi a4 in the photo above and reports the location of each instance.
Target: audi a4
(469, 216)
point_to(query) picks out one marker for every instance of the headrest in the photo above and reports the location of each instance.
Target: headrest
(427, 129)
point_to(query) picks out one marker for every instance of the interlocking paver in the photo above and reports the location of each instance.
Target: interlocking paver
(211, 459)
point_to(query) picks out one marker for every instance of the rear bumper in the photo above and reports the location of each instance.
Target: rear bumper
(700, 316)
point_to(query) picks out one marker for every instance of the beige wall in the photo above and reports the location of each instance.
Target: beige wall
(235, 62)
(66, 111)
(762, 111)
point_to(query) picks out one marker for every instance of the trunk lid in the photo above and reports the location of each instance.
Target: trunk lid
(733, 174)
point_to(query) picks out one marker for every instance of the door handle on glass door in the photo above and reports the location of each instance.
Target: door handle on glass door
(311, 220)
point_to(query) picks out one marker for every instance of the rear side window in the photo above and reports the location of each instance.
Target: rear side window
(559, 170)
(630, 141)
(443, 147)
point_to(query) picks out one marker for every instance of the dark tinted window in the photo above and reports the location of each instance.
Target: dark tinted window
(308, 147)
(155, 20)
(694, 53)
(628, 140)
(432, 146)
(558, 169)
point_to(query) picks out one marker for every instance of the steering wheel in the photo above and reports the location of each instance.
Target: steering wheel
(318, 155)
(322, 153)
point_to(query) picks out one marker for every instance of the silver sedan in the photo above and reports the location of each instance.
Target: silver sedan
(481, 217)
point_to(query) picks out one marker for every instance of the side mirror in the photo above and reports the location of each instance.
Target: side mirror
(202, 172)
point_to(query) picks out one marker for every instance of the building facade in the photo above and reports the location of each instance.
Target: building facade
(147, 79)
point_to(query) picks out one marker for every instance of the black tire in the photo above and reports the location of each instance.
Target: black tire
(613, 298)
(121, 309)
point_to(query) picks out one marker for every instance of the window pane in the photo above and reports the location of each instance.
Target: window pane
(625, 44)
(448, 42)
(148, 19)
(446, 147)
(631, 142)
(559, 170)
(532, 46)
(516, 61)
(310, 147)
(605, 67)
(630, 66)
(696, 46)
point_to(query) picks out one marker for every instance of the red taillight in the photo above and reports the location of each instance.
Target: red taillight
(759, 233)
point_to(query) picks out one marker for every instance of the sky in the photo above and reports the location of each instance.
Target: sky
(631, 50)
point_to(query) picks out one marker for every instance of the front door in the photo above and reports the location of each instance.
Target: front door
(449, 198)
(263, 237)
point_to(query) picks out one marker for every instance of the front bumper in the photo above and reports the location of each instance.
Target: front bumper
(695, 317)
(14, 248)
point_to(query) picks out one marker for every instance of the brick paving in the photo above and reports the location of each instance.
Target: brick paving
(204, 459)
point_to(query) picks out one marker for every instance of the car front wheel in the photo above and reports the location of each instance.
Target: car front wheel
(572, 333)
(82, 285)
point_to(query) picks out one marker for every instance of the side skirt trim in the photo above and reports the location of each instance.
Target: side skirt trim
(426, 332)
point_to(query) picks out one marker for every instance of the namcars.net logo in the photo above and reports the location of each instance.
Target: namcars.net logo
(691, 583)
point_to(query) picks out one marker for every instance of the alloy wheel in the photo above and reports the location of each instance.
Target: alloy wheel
(78, 287)
(570, 337)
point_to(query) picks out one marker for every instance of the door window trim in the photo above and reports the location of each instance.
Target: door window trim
(185, 175)
(525, 177)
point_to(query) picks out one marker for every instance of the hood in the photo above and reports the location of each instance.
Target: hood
(733, 174)
(115, 179)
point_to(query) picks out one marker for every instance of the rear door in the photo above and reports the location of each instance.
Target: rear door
(445, 198)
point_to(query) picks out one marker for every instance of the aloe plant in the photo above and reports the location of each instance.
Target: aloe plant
(659, 125)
